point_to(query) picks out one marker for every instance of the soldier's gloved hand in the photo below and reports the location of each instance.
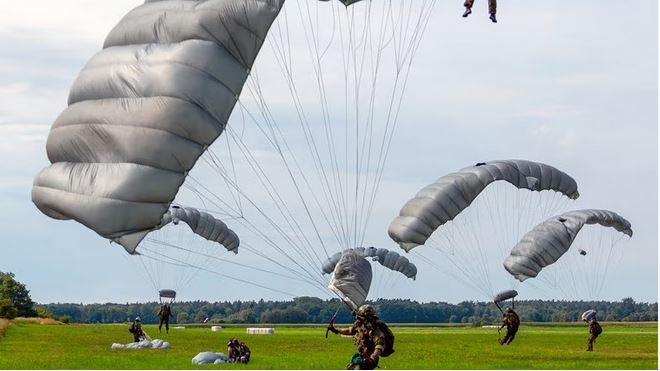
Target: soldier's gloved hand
(332, 329)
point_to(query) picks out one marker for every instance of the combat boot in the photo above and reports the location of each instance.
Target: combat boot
(492, 18)
(468, 11)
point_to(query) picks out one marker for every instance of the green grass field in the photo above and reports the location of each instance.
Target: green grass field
(34, 346)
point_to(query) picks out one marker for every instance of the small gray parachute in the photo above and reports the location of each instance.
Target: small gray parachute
(505, 295)
(589, 315)
(387, 258)
(441, 201)
(548, 241)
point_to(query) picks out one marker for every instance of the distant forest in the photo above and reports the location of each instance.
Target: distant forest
(315, 310)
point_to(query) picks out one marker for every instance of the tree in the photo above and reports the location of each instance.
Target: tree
(17, 293)
(182, 317)
(7, 309)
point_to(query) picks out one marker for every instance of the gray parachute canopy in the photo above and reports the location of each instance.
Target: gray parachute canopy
(385, 257)
(144, 109)
(548, 241)
(351, 278)
(589, 315)
(205, 225)
(505, 295)
(167, 293)
(444, 199)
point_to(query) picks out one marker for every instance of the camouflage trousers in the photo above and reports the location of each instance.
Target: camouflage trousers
(508, 338)
(590, 345)
(492, 5)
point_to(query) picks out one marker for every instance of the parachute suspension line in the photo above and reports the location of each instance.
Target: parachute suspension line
(180, 248)
(362, 219)
(282, 207)
(415, 41)
(254, 229)
(153, 282)
(256, 90)
(315, 58)
(437, 267)
(302, 199)
(182, 263)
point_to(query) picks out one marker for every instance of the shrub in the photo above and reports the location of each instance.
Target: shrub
(65, 319)
(43, 312)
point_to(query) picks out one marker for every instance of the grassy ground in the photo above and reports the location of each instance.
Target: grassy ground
(33, 346)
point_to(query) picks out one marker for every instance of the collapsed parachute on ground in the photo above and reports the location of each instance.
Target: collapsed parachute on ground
(144, 109)
(351, 279)
(443, 200)
(548, 241)
(144, 344)
(388, 259)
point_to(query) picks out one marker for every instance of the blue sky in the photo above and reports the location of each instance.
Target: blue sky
(572, 86)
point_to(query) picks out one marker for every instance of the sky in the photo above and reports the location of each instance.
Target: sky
(575, 87)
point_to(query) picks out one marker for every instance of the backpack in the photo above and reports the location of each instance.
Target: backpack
(389, 338)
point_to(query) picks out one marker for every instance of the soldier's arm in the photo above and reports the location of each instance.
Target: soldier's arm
(378, 349)
(345, 331)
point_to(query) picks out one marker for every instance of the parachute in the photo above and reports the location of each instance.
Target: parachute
(351, 279)
(205, 225)
(505, 295)
(145, 114)
(468, 220)
(167, 294)
(589, 315)
(129, 137)
(386, 258)
(443, 200)
(548, 241)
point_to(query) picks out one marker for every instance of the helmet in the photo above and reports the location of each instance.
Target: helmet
(366, 311)
(137, 319)
(509, 310)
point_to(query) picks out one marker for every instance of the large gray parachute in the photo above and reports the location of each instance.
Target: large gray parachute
(548, 241)
(351, 278)
(205, 225)
(441, 201)
(145, 108)
(385, 257)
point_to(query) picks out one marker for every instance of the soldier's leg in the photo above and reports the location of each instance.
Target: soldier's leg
(511, 338)
(167, 325)
(590, 346)
(468, 4)
(160, 325)
(492, 6)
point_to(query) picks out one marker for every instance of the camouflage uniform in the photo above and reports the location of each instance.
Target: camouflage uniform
(512, 322)
(492, 6)
(594, 331)
(164, 313)
(136, 330)
(369, 339)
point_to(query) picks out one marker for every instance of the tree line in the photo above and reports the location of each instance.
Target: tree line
(318, 311)
(15, 301)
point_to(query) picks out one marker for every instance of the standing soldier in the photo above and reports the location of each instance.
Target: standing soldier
(594, 331)
(511, 320)
(164, 313)
(492, 9)
(371, 339)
